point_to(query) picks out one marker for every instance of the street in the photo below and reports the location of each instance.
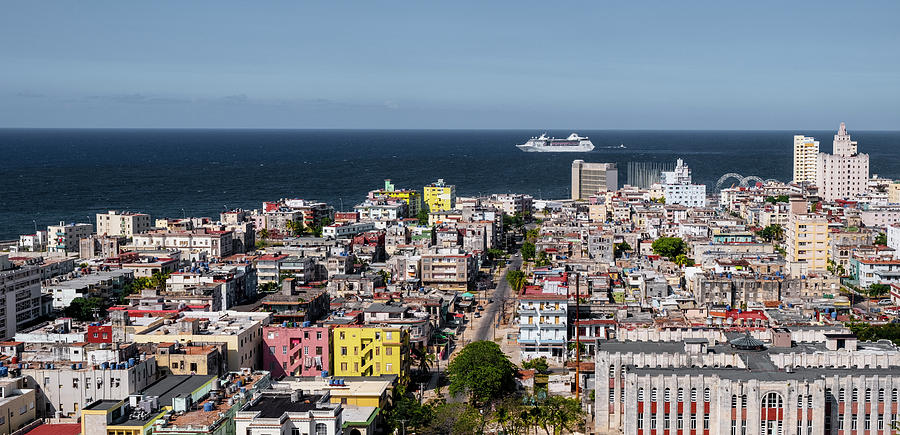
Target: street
(490, 314)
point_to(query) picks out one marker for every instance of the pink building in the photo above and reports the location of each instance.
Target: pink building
(290, 350)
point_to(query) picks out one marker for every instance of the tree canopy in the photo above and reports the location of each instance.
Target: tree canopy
(528, 250)
(669, 247)
(516, 279)
(481, 371)
(881, 239)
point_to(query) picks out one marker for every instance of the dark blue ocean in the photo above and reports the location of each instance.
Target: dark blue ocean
(69, 175)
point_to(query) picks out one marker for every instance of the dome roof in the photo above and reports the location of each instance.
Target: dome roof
(747, 342)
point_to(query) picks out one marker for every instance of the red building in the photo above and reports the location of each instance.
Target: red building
(99, 333)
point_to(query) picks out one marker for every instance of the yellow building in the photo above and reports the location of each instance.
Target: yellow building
(110, 417)
(412, 198)
(440, 196)
(370, 351)
(894, 193)
(806, 240)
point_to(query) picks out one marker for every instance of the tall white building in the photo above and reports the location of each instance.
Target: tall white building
(843, 174)
(20, 296)
(65, 237)
(677, 187)
(806, 154)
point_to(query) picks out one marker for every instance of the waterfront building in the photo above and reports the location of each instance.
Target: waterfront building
(677, 187)
(36, 242)
(440, 196)
(592, 178)
(114, 223)
(843, 174)
(806, 154)
(412, 198)
(65, 237)
(216, 244)
(370, 351)
(20, 296)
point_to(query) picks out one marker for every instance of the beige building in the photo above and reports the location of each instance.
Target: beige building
(17, 405)
(241, 333)
(806, 237)
(114, 223)
(175, 359)
(214, 243)
(806, 153)
(592, 178)
(894, 193)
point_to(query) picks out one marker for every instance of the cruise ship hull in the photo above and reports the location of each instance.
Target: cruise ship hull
(528, 148)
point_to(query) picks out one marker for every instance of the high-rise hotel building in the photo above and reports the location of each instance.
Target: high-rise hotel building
(806, 153)
(592, 178)
(843, 174)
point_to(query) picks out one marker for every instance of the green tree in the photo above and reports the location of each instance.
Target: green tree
(538, 364)
(669, 247)
(422, 216)
(481, 371)
(771, 232)
(620, 248)
(511, 415)
(264, 234)
(455, 418)
(881, 239)
(542, 259)
(296, 227)
(516, 279)
(876, 291)
(532, 235)
(409, 414)
(494, 254)
(561, 414)
(423, 358)
(777, 199)
(528, 250)
(683, 260)
(85, 308)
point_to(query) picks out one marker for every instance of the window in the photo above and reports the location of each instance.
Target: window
(706, 422)
(284, 350)
(681, 395)
(272, 350)
(343, 350)
(612, 396)
(653, 394)
(306, 350)
(640, 420)
(667, 395)
(894, 395)
(318, 350)
(652, 424)
(840, 421)
(693, 394)
(321, 429)
(388, 367)
(388, 350)
(666, 421)
(854, 395)
(318, 335)
(74, 382)
(693, 421)
(734, 403)
(867, 423)
(868, 394)
(389, 335)
(841, 395)
(640, 394)
(344, 366)
(854, 422)
(881, 395)
(706, 395)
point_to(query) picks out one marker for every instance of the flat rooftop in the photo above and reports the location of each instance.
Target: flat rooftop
(275, 406)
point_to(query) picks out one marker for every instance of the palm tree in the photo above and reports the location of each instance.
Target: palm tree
(264, 233)
(423, 358)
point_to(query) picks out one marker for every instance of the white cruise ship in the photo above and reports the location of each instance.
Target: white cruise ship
(543, 144)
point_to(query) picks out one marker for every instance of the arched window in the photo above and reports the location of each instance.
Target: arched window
(653, 394)
(640, 394)
(622, 370)
(881, 395)
(854, 395)
(321, 429)
(744, 400)
(800, 401)
(841, 395)
(734, 403)
(706, 395)
(693, 394)
(681, 394)
(829, 395)
(894, 395)
(612, 371)
(868, 394)
(772, 400)
(667, 395)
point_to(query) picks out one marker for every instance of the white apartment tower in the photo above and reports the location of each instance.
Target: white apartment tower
(843, 174)
(678, 188)
(122, 223)
(806, 154)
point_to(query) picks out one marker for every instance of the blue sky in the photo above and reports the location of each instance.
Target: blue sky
(495, 64)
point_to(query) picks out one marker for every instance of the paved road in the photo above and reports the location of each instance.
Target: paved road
(492, 310)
